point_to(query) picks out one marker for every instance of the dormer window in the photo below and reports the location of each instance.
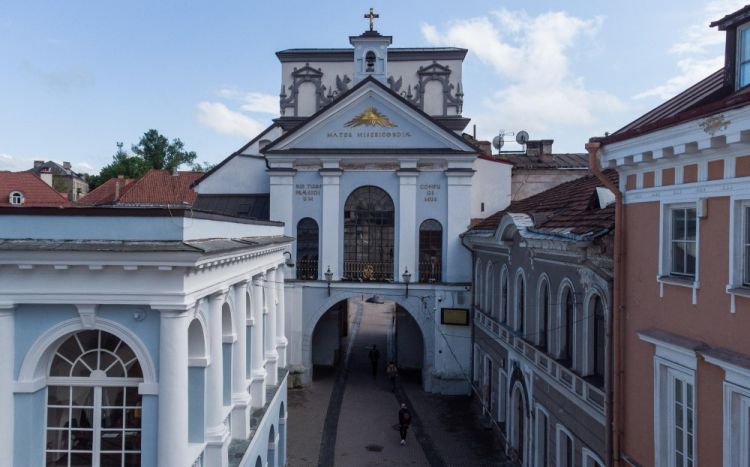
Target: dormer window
(370, 62)
(743, 56)
(16, 197)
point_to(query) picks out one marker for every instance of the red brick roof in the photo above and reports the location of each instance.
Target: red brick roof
(36, 192)
(566, 207)
(155, 187)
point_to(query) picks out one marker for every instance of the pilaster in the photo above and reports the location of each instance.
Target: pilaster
(281, 340)
(272, 375)
(257, 384)
(7, 344)
(173, 386)
(459, 218)
(330, 222)
(282, 196)
(240, 395)
(217, 435)
(407, 231)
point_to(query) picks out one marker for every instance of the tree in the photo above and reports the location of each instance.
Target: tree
(160, 153)
(206, 167)
(122, 164)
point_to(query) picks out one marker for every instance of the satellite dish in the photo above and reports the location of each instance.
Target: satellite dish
(522, 137)
(497, 142)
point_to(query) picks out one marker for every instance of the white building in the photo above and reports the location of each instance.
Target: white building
(141, 337)
(367, 168)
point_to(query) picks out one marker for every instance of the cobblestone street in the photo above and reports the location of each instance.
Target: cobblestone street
(358, 426)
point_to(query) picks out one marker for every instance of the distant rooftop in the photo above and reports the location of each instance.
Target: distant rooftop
(156, 187)
(395, 54)
(35, 192)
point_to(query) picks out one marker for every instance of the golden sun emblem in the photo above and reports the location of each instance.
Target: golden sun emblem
(370, 117)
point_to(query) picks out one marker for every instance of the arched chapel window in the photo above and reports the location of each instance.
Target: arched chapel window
(597, 309)
(520, 303)
(93, 407)
(368, 235)
(308, 237)
(430, 251)
(544, 314)
(568, 320)
(370, 62)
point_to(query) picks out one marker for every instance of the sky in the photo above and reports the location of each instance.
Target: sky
(77, 77)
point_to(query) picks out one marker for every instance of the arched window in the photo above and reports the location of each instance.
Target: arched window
(504, 303)
(478, 284)
(308, 237)
(597, 309)
(430, 251)
(93, 406)
(368, 235)
(488, 289)
(370, 62)
(567, 322)
(520, 303)
(543, 307)
(16, 197)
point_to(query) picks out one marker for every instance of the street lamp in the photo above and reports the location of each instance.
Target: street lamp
(407, 278)
(289, 261)
(329, 276)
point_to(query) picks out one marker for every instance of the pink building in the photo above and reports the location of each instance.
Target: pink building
(681, 394)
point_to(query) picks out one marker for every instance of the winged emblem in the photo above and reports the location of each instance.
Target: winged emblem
(342, 84)
(370, 117)
(395, 85)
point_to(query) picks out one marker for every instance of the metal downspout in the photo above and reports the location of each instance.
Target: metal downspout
(614, 405)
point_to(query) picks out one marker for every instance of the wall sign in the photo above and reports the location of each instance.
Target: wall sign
(307, 192)
(455, 316)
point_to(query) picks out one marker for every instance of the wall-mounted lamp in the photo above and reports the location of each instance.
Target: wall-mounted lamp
(289, 260)
(329, 276)
(407, 278)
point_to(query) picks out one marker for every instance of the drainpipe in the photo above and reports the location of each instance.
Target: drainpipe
(614, 329)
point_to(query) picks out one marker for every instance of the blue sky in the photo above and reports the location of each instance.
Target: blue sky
(76, 76)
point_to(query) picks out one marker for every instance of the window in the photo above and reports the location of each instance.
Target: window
(682, 421)
(567, 322)
(596, 309)
(543, 313)
(368, 235)
(590, 459)
(430, 251)
(746, 246)
(16, 197)
(542, 438)
(502, 392)
(307, 249)
(489, 299)
(93, 407)
(504, 304)
(736, 425)
(370, 62)
(478, 283)
(565, 448)
(520, 303)
(683, 244)
(743, 59)
(675, 414)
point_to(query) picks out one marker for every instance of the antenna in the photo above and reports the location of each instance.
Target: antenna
(522, 137)
(119, 146)
(499, 140)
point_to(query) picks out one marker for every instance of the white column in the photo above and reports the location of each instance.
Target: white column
(7, 343)
(240, 395)
(330, 222)
(217, 435)
(272, 376)
(407, 231)
(459, 218)
(172, 436)
(257, 385)
(282, 196)
(281, 340)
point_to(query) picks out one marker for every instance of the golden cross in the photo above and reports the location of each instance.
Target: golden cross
(372, 16)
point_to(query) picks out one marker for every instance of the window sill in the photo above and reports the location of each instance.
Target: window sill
(680, 282)
(735, 292)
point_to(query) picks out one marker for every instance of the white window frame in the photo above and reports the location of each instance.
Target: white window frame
(504, 280)
(738, 217)
(561, 324)
(589, 350)
(738, 69)
(518, 312)
(16, 198)
(541, 311)
(558, 451)
(589, 456)
(670, 362)
(540, 410)
(665, 251)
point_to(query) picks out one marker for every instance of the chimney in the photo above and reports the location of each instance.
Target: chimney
(533, 148)
(486, 147)
(46, 176)
(66, 165)
(546, 155)
(117, 189)
(174, 172)
(38, 163)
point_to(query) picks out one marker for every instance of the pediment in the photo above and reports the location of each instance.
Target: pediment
(308, 71)
(371, 118)
(434, 69)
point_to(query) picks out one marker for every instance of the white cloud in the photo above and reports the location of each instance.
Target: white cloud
(15, 163)
(219, 117)
(533, 54)
(253, 101)
(700, 47)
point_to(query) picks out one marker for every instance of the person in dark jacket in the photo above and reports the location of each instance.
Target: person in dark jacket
(404, 420)
(374, 356)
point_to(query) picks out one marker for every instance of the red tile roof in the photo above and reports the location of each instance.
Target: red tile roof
(156, 187)
(36, 192)
(567, 207)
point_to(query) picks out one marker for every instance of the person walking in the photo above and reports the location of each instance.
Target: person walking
(392, 373)
(374, 357)
(404, 420)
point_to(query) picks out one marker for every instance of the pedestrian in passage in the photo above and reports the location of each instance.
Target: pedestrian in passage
(374, 357)
(392, 373)
(404, 420)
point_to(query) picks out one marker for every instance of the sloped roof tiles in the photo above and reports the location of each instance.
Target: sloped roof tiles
(36, 192)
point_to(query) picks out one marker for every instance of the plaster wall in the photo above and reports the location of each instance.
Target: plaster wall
(526, 183)
(240, 175)
(489, 187)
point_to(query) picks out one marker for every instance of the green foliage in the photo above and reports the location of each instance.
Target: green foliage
(206, 167)
(60, 184)
(160, 153)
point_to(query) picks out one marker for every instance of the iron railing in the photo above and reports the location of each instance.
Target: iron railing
(368, 271)
(307, 269)
(430, 272)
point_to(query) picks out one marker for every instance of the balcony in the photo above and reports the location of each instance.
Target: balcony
(430, 271)
(307, 270)
(365, 271)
